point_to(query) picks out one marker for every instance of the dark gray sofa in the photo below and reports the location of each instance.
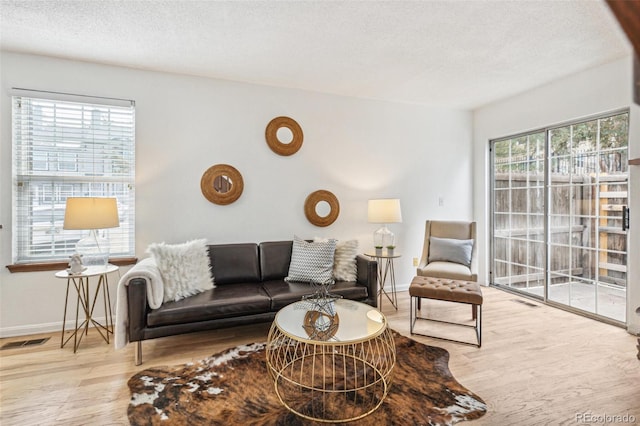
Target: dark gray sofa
(250, 288)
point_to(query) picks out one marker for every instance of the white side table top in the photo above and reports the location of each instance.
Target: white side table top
(91, 271)
(383, 255)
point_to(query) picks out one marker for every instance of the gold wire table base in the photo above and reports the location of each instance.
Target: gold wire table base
(330, 381)
(383, 272)
(386, 269)
(88, 303)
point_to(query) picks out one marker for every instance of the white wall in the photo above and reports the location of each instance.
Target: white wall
(357, 149)
(601, 89)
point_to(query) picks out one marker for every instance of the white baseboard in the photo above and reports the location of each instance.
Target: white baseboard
(402, 287)
(48, 327)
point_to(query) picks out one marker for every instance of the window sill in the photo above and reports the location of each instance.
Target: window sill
(57, 266)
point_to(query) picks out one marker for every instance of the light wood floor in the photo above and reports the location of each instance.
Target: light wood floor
(537, 366)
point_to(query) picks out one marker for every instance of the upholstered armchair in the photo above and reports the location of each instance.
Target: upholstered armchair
(446, 255)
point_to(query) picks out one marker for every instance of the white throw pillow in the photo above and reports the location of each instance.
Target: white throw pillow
(344, 260)
(184, 268)
(311, 262)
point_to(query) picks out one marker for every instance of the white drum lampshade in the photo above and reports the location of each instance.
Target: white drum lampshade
(92, 213)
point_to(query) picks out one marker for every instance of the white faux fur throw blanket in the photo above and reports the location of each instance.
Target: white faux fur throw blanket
(148, 270)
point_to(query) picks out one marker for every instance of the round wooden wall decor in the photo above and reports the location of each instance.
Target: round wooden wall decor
(311, 203)
(276, 145)
(222, 184)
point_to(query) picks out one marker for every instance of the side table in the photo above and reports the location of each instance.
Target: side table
(385, 269)
(81, 283)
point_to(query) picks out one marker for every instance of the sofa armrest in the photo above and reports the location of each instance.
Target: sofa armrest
(137, 308)
(368, 276)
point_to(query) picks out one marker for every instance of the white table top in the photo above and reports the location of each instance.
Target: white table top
(357, 321)
(91, 271)
(383, 255)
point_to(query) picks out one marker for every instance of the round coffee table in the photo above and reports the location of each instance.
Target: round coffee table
(331, 360)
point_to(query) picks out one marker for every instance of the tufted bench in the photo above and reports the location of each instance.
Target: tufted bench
(457, 291)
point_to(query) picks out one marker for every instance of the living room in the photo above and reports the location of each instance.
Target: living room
(433, 156)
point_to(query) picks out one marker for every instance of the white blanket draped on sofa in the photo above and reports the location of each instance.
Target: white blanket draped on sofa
(147, 270)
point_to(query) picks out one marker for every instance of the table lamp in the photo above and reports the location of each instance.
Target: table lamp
(384, 211)
(92, 213)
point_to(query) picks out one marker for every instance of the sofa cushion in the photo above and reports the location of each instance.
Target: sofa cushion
(235, 263)
(283, 293)
(275, 257)
(221, 302)
(311, 261)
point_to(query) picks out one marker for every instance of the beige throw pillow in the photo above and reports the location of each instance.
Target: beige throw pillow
(344, 260)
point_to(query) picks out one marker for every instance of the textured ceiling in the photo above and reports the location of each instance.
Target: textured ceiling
(459, 54)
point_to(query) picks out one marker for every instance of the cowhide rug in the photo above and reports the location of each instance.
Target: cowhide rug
(233, 387)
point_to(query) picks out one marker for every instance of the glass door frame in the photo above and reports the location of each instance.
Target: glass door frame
(547, 218)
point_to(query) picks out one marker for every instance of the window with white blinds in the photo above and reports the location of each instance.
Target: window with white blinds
(69, 149)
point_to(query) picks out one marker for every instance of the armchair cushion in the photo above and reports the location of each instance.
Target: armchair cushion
(450, 250)
(454, 271)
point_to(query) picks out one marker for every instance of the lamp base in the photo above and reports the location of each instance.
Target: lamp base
(93, 249)
(383, 237)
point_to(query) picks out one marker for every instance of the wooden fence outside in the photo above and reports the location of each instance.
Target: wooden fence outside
(586, 237)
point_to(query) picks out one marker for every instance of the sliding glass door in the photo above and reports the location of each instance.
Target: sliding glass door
(518, 213)
(559, 198)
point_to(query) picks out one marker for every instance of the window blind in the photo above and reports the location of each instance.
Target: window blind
(63, 149)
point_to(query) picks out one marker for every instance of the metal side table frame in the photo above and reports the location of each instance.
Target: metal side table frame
(81, 284)
(386, 269)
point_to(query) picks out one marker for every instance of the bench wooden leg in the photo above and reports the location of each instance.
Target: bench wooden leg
(474, 311)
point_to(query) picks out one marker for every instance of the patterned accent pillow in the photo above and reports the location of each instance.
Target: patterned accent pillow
(184, 268)
(311, 262)
(344, 261)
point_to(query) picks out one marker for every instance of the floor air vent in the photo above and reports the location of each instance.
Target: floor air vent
(24, 343)
(524, 302)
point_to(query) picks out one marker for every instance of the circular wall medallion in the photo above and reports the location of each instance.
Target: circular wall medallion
(281, 147)
(222, 184)
(311, 212)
